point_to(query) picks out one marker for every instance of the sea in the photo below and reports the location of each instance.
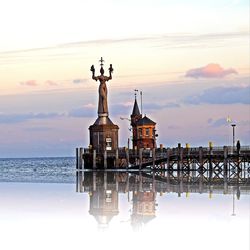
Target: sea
(46, 204)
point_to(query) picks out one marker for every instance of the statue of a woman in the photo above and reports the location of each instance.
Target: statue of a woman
(103, 92)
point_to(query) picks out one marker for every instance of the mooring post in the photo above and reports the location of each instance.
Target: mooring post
(127, 157)
(117, 158)
(201, 158)
(77, 158)
(80, 158)
(188, 155)
(140, 157)
(94, 159)
(168, 159)
(153, 157)
(225, 149)
(105, 159)
(181, 159)
(210, 157)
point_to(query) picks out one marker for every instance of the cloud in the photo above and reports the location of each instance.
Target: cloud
(222, 95)
(51, 83)
(80, 81)
(218, 123)
(211, 70)
(30, 83)
(16, 118)
(88, 110)
(155, 106)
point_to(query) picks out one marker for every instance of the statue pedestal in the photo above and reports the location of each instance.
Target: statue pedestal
(103, 134)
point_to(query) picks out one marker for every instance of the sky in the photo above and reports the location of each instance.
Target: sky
(189, 58)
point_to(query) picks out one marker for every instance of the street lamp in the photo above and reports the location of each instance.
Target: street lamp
(233, 126)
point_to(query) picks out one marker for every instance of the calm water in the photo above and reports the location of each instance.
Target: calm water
(45, 204)
(49, 170)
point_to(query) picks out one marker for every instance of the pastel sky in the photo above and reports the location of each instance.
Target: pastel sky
(190, 58)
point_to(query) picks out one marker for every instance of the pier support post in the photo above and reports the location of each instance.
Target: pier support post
(201, 158)
(94, 159)
(77, 158)
(225, 148)
(210, 157)
(80, 158)
(105, 159)
(168, 159)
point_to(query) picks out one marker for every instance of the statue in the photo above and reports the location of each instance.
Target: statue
(103, 92)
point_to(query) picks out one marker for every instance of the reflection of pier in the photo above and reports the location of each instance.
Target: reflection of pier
(202, 158)
(142, 188)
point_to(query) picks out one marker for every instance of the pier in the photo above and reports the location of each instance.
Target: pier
(179, 158)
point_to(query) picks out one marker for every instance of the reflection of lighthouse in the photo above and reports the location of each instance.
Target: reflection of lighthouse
(103, 199)
(143, 208)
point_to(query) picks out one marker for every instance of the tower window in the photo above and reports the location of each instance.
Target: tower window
(147, 132)
(140, 132)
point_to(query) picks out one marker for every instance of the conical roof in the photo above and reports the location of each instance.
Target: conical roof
(136, 110)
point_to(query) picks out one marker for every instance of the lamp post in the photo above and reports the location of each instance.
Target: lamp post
(233, 126)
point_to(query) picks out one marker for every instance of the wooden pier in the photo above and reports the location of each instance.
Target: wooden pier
(164, 181)
(179, 158)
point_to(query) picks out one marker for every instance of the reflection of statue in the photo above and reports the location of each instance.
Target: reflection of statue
(103, 101)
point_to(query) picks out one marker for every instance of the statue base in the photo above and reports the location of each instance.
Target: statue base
(103, 134)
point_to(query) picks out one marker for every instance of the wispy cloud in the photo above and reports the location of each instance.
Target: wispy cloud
(165, 41)
(30, 83)
(51, 83)
(222, 95)
(218, 122)
(211, 70)
(80, 80)
(16, 118)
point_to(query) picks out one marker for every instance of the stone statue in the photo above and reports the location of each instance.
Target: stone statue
(103, 92)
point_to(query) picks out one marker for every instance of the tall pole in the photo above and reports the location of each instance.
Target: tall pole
(141, 102)
(233, 125)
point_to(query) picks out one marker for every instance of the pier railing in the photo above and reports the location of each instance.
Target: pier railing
(124, 157)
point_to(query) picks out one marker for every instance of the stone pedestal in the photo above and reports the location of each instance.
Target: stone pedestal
(103, 134)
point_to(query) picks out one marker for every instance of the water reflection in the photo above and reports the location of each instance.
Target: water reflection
(142, 189)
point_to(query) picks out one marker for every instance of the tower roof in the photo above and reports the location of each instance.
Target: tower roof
(145, 121)
(136, 110)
